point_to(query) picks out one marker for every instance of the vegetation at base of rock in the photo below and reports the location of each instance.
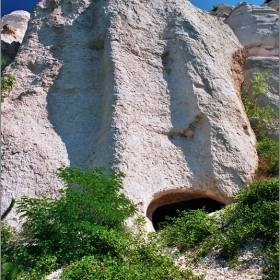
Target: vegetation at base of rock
(253, 217)
(82, 232)
(7, 82)
(268, 152)
(260, 116)
(84, 229)
(135, 258)
(189, 229)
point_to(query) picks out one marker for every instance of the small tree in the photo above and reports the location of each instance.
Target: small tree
(259, 116)
(7, 82)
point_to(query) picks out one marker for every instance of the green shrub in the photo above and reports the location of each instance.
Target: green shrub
(134, 258)
(83, 231)
(259, 116)
(73, 225)
(215, 8)
(7, 82)
(188, 229)
(252, 217)
(268, 152)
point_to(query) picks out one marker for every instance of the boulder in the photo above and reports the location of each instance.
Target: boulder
(13, 28)
(14, 25)
(151, 88)
(257, 29)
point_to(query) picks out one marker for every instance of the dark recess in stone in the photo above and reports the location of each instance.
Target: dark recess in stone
(171, 209)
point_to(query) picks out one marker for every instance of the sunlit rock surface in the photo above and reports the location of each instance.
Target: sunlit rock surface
(151, 88)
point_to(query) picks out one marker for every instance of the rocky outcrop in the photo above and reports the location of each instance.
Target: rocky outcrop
(14, 25)
(223, 11)
(274, 4)
(151, 88)
(257, 29)
(13, 28)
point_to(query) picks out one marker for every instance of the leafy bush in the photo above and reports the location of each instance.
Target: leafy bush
(7, 82)
(189, 229)
(259, 116)
(73, 225)
(252, 217)
(135, 258)
(268, 152)
(83, 230)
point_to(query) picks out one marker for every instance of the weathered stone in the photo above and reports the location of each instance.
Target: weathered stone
(223, 11)
(274, 4)
(257, 29)
(13, 28)
(151, 88)
(8, 52)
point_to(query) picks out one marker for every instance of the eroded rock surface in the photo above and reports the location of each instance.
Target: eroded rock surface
(257, 29)
(14, 25)
(151, 88)
(223, 11)
(272, 4)
(13, 28)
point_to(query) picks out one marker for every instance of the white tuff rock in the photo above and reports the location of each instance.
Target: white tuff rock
(151, 88)
(14, 25)
(272, 4)
(257, 29)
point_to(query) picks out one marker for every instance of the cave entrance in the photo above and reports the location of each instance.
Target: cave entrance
(170, 210)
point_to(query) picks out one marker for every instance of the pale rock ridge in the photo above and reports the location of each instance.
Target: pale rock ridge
(223, 11)
(13, 28)
(257, 29)
(272, 4)
(150, 88)
(14, 25)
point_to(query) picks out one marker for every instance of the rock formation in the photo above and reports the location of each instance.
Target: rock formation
(272, 4)
(151, 88)
(13, 28)
(257, 29)
(223, 11)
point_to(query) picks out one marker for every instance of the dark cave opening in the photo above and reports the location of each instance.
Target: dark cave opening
(170, 210)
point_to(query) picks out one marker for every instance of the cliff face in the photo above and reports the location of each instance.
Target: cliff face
(257, 29)
(151, 88)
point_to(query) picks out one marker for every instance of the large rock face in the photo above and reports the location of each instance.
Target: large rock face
(148, 87)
